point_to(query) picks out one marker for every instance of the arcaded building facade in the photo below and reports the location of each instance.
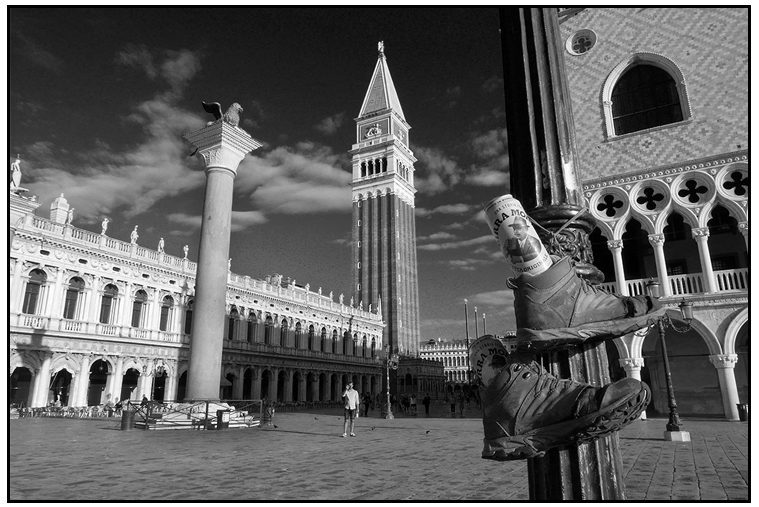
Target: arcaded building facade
(91, 315)
(660, 104)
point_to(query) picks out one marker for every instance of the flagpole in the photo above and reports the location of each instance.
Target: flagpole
(466, 320)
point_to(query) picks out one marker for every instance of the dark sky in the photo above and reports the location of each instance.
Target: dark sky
(100, 99)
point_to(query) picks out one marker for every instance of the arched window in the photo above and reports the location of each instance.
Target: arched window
(334, 341)
(167, 313)
(298, 335)
(363, 347)
(311, 337)
(645, 96)
(234, 315)
(268, 330)
(110, 292)
(138, 308)
(188, 317)
(251, 327)
(324, 340)
(71, 306)
(283, 333)
(374, 346)
(37, 279)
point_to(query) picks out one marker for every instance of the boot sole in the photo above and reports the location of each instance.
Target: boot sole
(532, 340)
(585, 429)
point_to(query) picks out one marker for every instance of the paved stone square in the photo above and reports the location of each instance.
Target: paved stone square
(305, 458)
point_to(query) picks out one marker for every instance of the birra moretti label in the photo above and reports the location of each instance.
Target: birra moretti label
(517, 238)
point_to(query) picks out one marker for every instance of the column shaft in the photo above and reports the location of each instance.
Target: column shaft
(657, 241)
(702, 240)
(725, 365)
(619, 270)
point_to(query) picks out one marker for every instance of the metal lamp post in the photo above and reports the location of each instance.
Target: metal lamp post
(391, 361)
(675, 430)
(466, 321)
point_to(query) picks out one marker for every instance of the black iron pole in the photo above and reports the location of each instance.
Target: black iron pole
(674, 423)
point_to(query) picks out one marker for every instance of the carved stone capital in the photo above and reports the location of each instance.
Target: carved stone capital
(743, 227)
(222, 146)
(700, 232)
(631, 363)
(614, 244)
(656, 239)
(724, 361)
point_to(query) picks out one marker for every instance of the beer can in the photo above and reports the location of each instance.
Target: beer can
(517, 238)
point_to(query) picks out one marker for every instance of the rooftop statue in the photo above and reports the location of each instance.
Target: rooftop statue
(104, 225)
(232, 116)
(134, 236)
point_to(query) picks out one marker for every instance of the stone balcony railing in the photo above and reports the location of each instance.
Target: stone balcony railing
(728, 280)
(108, 245)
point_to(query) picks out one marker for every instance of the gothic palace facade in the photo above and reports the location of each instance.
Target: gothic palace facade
(660, 104)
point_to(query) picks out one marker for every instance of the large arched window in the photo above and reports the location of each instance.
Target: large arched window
(188, 317)
(251, 327)
(234, 315)
(110, 293)
(268, 330)
(72, 304)
(298, 335)
(283, 333)
(334, 341)
(167, 313)
(138, 308)
(37, 279)
(311, 337)
(644, 97)
(324, 339)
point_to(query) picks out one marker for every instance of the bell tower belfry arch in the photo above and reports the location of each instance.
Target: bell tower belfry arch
(384, 230)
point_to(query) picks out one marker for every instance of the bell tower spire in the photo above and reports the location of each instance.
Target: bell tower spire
(384, 229)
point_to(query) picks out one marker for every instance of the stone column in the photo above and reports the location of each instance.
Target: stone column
(44, 386)
(743, 227)
(255, 390)
(619, 271)
(84, 382)
(657, 241)
(632, 366)
(237, 389)
(126, 306)
(222, 147)
(544, 176)
(17, 291)
(273, 381)
(53, 300)
(118, 378)
(701, 235)
(315, 388)
(725, 364)
(302, 389)
(288, 387)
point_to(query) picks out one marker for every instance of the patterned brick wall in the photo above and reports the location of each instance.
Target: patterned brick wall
(710, 46)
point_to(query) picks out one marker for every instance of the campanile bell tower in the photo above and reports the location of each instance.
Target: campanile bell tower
(384, 230)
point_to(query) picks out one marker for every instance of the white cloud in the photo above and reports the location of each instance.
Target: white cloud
(457, 244)
(329, 125)
(437, 236)
(104, 179)
(296, 180)
(435, 171)
(447, 209)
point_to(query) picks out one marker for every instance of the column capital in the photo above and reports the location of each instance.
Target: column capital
(724, 361)
(632, 363)
(743, 227)
(700, 232)
(656, 239)
(222, 146)
(614, 244)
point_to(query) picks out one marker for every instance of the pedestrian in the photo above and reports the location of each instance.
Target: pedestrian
(367, 403)
(412, 402)
(350, 403)
(426, 402)
(144, 402)
(406, 404)
(462, 399)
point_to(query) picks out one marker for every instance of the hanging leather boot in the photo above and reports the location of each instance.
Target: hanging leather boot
(527, 411)
(557, 308)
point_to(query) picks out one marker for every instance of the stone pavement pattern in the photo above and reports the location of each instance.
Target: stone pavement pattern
(305, 458)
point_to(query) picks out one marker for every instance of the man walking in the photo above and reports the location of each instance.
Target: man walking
(351, 401)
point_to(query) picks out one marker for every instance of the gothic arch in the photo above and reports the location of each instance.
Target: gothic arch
(731, 333)
(647, 58)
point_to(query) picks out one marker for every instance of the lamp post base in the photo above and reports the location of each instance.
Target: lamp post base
(677, 436)
(387, 413)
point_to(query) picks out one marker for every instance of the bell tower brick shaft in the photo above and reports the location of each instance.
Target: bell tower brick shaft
(223, 147)
(544, 177)
(384, 228)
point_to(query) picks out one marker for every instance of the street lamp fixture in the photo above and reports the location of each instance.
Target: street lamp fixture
(675, 429)
(391, 361)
